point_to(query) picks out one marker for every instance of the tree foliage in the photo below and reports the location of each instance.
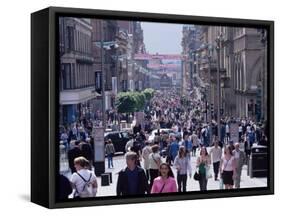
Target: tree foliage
(128, 102)
(149, 92)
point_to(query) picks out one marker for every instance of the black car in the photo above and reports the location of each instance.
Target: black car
(119, 140)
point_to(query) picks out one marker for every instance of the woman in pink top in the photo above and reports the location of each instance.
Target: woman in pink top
(165, 183)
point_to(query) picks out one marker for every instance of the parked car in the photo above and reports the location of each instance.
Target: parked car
(119, 140)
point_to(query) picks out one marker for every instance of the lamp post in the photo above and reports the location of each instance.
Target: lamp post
(263, 105)
(206, 104)
(218, 48)
(103, 74)
(192, 68)
(98, 131)
(210, 53)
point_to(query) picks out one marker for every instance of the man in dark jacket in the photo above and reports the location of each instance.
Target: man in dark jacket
(131, 180)
(64, 189)
(136, 129)
(72, 154)
(87, 150)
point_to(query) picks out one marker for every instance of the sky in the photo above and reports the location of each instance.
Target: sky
(162, 38)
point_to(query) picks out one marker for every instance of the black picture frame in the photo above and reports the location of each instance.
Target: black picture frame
(44, 104)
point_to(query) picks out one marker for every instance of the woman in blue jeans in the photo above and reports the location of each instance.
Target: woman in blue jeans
(109, 151)
(203, 161)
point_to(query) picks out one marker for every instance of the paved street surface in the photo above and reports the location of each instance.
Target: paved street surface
(192, 185)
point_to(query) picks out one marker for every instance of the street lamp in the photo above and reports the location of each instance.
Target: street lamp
(218, 48)
(192, 56)
(204, 99)
(197, 61)
(98, 131)
(263, 89)
(209, 56)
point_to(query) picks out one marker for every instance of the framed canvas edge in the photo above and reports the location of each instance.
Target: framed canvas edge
(54, 11)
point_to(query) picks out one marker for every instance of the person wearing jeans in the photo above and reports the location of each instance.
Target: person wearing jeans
(182, 164)
(240, 160)
(109, 151)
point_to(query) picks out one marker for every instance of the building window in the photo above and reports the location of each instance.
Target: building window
(124, 85)
(76, 40)
(70, 33)
(66, 76)
(98, 81)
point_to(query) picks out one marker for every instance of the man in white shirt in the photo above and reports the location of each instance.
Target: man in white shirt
(216, 154)
(240, 132)
(227, 131)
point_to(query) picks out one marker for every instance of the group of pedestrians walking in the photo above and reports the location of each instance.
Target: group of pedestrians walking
(163, 164)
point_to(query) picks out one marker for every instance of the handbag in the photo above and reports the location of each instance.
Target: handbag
(196, 176)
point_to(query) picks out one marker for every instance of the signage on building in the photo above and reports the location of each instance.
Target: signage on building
(147, 56)
(163, 66)
(98, 81)
(114, 85)
(98, 134)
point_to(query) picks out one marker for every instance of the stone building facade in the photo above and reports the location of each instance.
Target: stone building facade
(77, 83)
(242, 70)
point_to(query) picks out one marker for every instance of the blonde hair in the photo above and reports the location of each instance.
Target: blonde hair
(131, 156)
(82, 161)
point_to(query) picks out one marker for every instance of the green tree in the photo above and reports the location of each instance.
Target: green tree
(140, 101)
(149, 92)
(128, 102)
(125, 102)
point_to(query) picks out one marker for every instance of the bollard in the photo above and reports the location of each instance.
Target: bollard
(110, 176)
(105, 179)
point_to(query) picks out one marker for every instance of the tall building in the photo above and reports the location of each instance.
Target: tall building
(190, 44)
(77, 81)
(93, 49)
(141, 78)
(241, 70)
(120, 39)
(104, 34)
(247, 67)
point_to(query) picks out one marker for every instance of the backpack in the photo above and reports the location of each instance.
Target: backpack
(87, 188)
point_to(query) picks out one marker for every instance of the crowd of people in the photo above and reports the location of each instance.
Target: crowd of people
(149, 162)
